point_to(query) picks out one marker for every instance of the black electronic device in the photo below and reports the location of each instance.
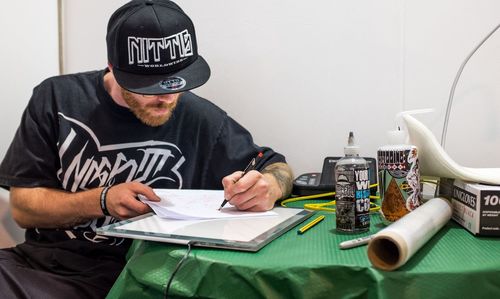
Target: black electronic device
(324, 181)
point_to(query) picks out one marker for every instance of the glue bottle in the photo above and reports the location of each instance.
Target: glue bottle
(352, 190)
(399, 177)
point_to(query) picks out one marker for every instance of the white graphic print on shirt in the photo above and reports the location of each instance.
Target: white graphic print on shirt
(86, 164)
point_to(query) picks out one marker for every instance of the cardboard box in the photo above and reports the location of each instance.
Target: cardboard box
(475, 206)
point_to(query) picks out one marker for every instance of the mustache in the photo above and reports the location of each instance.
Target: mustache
(161, 105)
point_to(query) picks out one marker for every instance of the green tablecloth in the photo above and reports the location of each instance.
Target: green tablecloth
(453, 264)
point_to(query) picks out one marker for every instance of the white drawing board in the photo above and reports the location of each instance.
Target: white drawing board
(247, 234)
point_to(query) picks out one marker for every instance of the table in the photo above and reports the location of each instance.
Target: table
(453, 264)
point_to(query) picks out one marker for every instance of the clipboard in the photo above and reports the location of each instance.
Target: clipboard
(244, 234)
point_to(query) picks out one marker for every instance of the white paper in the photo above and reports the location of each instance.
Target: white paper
(393, 246)
(196, 204)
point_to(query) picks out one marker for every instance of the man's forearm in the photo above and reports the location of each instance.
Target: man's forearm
(52, 208)
(283, 175)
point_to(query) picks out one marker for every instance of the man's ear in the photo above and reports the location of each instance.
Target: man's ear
(110, 67)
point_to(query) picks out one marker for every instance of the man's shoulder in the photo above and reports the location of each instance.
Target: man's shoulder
(69, 80)
(63, 91)
(195, 103)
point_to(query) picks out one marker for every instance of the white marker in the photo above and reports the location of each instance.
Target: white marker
(355, 242)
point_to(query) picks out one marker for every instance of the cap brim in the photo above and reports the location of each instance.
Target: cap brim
(192, 76)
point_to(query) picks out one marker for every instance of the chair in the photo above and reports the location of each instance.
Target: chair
(10, 233)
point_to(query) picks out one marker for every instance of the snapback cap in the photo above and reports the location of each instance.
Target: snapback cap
(152, 48)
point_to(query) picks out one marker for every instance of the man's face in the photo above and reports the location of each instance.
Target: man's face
(152, 110)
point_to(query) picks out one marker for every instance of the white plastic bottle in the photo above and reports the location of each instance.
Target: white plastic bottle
(352, 191)
(399, 177)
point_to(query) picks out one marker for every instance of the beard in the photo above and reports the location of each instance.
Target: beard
(144, 114)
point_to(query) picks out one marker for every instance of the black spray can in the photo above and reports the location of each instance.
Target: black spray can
(352, 191)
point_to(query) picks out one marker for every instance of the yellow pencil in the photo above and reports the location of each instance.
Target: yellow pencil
(310, 224)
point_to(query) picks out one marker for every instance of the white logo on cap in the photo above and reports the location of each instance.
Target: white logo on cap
(173, 83)
(142, 50)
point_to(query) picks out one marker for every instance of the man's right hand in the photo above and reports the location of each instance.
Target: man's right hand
(41, 207)
(122, 200)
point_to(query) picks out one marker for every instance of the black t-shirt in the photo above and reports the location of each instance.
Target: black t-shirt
(74, 137)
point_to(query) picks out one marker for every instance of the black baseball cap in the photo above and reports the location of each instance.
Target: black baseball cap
(152, 48)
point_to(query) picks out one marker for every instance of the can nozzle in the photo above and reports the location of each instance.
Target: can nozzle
(351, 148)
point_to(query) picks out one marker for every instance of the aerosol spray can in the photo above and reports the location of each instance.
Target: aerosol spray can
(399, 177)
(352, 190)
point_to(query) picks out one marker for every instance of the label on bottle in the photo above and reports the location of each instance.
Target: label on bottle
(352, 195)
(399, 180)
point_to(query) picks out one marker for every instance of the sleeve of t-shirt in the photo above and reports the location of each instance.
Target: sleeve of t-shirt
(32, 160)
(233, 150)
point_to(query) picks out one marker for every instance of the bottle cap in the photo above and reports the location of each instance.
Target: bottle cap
(397, 137)
(351, 148)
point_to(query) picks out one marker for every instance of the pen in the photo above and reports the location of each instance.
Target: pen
(355, 242)
(250, 166)
(310, 224)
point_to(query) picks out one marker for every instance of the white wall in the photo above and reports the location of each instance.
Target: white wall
(438, 37)
(301, 74)
(28, 54)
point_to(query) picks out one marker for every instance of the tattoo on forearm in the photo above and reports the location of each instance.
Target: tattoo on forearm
(283, 175)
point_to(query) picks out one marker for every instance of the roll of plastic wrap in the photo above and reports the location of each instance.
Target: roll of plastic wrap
(394, 245)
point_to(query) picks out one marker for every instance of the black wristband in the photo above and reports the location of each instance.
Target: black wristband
(104, 209)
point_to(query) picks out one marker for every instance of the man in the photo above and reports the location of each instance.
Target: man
(90, 143)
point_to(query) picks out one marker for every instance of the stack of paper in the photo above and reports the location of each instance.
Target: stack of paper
(196, 204)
